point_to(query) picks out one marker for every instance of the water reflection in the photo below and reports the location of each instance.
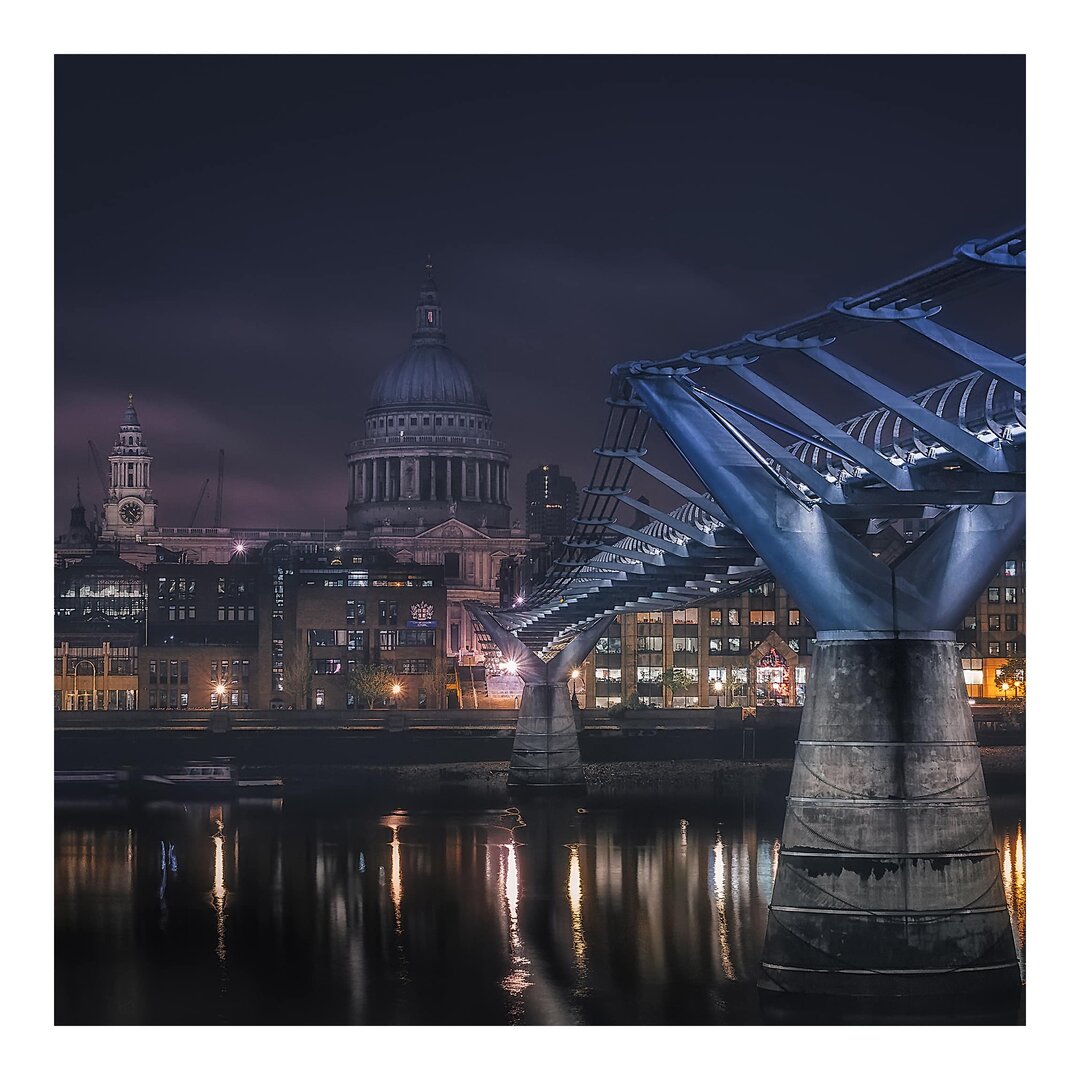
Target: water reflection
(573, 891)
(1014, 878)
(497, 929)
(395, 875)
(218, 892)
(517, 980)
(717, 878)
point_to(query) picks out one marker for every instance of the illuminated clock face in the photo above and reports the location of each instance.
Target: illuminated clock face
(130, 512)
(421, 612)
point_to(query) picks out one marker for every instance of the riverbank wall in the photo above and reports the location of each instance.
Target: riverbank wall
(390, 737)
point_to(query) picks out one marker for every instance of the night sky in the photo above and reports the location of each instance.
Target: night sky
(240, 240)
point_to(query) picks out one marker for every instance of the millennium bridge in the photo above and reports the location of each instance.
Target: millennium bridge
(888, 879)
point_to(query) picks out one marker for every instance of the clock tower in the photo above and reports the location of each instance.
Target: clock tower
(131, 507)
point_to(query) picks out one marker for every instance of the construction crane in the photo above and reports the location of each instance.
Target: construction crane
(220, 487)
(99, 465)
(198, 503)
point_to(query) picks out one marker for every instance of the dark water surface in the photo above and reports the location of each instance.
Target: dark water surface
(442, 908)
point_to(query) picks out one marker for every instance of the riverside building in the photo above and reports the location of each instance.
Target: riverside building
(427, 481)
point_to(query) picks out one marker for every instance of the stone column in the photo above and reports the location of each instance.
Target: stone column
(888, 880)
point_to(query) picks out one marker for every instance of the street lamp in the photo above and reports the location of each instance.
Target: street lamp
(221, 690)
(395, 692)
(575, 675)
(718, 689)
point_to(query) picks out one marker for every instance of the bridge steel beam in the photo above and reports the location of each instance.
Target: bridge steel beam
(546, 751)
(888, 880)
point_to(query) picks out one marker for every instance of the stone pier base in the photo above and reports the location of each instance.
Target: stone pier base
(546, 750)
(888, 880)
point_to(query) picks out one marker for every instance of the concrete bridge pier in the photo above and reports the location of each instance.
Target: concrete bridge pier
(546, 751)
(888, 880)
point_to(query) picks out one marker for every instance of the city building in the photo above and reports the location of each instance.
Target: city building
(275, 628)
(757, 649)
(551, 503)
(750, 650)
(99, 625)
(427, 482)
(203, 648)
(364, 610)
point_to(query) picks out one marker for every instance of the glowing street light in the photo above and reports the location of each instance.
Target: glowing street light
(512, 667)
(575, 675)
(221, 690)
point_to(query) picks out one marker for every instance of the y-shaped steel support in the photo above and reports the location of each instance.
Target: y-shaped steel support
(888, 879)
(546, 750)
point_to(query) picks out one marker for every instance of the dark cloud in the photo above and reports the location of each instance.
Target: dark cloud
(239, 240)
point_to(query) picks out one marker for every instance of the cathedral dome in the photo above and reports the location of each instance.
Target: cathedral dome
(428, 452)
(429, 374)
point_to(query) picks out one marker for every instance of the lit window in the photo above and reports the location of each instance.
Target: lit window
(1010, 568)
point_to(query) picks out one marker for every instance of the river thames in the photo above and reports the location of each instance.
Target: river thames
(444, 905)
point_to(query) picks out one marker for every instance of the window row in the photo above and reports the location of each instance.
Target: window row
(176, 589)
(231, 671)
(235, 587)
(167, 672)
(237, 613)
(384, 423)
(167, 699)
(176, 613)
(238, 699)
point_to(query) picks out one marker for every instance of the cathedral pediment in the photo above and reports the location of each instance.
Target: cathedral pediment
(452, 530)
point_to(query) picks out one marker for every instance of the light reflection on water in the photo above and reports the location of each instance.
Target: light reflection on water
(218, 892)
(1014, 877)
(573, 892)
(652, 914)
